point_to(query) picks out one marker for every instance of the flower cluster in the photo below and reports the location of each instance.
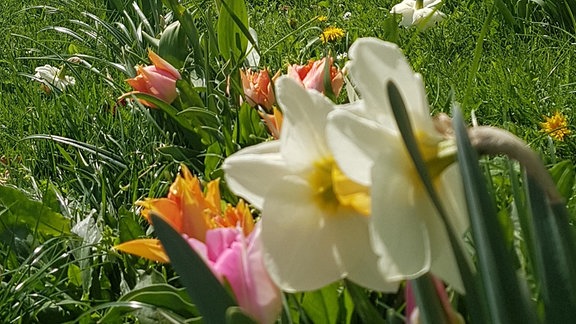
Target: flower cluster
(330, 183)
(227, 240)
(259, 87)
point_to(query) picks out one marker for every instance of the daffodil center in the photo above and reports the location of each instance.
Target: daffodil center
(332, 190)
(419, 4)
(437, 155)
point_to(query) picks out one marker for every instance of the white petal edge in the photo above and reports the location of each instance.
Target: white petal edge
(355, 143)
(305, 112)
(251, 171)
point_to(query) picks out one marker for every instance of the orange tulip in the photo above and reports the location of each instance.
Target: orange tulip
(158, 80)
(189, 211)
(258, 88)
(311, 75)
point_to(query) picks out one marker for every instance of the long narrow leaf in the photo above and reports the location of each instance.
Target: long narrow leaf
(204, 289)
(506, 302)
(554, 257)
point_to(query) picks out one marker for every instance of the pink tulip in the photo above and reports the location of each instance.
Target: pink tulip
(258, 88)
(311, 75)
(237, 260)
(413, 313)
(158, 80)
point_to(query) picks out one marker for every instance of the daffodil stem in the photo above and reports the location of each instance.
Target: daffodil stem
(494, 141)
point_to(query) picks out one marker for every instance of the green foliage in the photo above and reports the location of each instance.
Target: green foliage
(20, 211)
(164, 300)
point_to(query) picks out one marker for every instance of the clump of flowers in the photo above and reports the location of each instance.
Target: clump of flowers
(331, 34)
(406, 230)
(556, 126)
(227, 240)
(191, 212)
(322, 18)
(52, 77)
(421, 13)
(311, 75)
(259, 88)
(306, 200)
(158, 79)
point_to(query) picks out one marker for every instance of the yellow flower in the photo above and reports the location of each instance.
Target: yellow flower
(190, 212)
(322, 18)
(331, 34)
(556, 126)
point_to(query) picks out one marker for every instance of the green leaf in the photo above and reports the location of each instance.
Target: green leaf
(187, 24)
(173, 45)
(364, 307)
(232, 41)
(157, 296)
(505, 301)
(564, 176)
(75, 275)
(213, 158)
(188, 95)
(129, 229)
(17, 209)
(554, 253)
(428, 301)
(250, 126)
(322, 305)
(209, 296)
(235, 315)
(473, 300)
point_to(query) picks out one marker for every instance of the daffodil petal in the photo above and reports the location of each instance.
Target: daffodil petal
(246, 169)
(362, 268)
(373, 64)
(311, 261)
(451, 193)
(147, 248)
(305, 114)
(399, 206)
(352, 141)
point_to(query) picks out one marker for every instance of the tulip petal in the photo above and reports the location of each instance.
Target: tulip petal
(162, 64)
(150, 249)
(246, 169)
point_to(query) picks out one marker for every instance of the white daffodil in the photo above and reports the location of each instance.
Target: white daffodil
(418, 13)
(51, 76)
(406, 229)
(314, 219)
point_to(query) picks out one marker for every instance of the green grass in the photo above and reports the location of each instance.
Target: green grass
(520, 78)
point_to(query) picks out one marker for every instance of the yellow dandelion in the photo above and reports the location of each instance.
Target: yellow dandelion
(556, 126)
(331, 34)
(322, 18)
